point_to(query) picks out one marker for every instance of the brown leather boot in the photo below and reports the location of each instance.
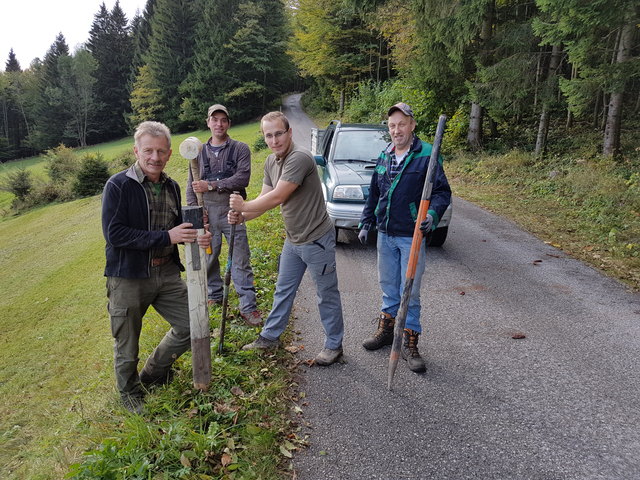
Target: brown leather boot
(410, 352)
(383, 335)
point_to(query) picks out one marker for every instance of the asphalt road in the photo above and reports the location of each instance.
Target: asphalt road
(561, 403)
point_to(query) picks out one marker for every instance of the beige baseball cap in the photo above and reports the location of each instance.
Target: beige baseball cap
(218, 108)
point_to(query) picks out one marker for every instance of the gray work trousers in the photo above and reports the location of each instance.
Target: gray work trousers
(319, 258)
(129, 299)
(241, 271)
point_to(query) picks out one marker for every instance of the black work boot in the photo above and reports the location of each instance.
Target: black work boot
(383, 335)
(410, 352)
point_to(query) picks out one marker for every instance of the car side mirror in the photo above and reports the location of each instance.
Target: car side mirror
(320, 160)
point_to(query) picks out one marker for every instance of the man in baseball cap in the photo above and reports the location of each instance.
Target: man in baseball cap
(404, 165)
(225, 167)
(218, 108)
(402, 107)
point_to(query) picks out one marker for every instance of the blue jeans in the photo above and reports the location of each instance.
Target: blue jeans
(393, 257)
(319, 257)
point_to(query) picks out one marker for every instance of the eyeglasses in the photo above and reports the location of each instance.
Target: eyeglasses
(271, 136)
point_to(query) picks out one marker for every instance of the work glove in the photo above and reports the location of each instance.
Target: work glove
(426, 225)
(363, 236)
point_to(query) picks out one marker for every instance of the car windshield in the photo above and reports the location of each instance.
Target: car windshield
(360, 145)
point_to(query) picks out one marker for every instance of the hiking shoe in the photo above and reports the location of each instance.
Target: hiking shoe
(253, 319)
(262, 343)
(383, 335)
(328, 356)
(149, 381)
(212, 302)
(133, 403)
(409, 351)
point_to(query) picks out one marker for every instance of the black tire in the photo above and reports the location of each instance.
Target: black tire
(438, 236)
(337, 233)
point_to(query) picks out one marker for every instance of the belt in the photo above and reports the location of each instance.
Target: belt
(156, 262)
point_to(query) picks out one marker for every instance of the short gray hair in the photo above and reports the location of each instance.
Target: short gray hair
(155, 129)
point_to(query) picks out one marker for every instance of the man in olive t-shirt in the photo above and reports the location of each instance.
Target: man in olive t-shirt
(291, 181)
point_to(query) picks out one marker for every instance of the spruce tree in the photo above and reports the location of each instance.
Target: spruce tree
(210, 78)
(12, 64)
(140, 31)
(12, 121)
(111, 45)
(51, 109)
(170, 53)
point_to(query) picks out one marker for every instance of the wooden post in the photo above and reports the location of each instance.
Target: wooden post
(198, 312)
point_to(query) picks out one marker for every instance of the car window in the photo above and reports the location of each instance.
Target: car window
(364, 145)
(326, 141)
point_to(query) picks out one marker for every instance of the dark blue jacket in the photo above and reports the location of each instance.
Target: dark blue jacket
(392, 207)
(127, 229)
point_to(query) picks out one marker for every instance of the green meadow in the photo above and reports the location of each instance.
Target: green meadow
(60, 411)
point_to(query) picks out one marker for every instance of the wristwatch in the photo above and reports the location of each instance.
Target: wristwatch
(209, 186)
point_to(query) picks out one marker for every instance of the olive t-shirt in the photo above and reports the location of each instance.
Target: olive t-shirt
(304, 212)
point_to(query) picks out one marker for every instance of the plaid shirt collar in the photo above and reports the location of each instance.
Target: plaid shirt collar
(142, 176)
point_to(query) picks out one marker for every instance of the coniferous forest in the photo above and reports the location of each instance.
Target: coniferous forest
(509, 69)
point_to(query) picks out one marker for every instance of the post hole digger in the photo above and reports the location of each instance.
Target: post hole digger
(416, 245)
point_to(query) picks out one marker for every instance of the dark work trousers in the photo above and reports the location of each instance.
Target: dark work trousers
(129, 300)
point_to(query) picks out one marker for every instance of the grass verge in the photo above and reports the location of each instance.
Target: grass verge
(587, 206)
(61, 415)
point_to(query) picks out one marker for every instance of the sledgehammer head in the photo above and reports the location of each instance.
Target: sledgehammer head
(190, 148)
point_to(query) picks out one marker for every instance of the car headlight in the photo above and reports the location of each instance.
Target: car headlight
(348, 192)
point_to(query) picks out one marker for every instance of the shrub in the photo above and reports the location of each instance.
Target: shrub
(50, 192)
(123, 160)
(92, 176)
(259, 144)
(19, 183)
(62, 164)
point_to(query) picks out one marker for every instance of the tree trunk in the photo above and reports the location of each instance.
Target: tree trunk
(569, 122)
(388, 62)
(537, 80)
(474, 135)
(611, 144)
(551, 84)
(5, 119)
(379, 60)
(604, 112)
(493, 128)
(596, 110)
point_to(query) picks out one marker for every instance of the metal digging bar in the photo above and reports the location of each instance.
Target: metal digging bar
(225, 291)
(414, 253)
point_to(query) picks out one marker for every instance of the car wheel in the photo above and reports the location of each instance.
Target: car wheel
(438, 236)
(337, 234)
